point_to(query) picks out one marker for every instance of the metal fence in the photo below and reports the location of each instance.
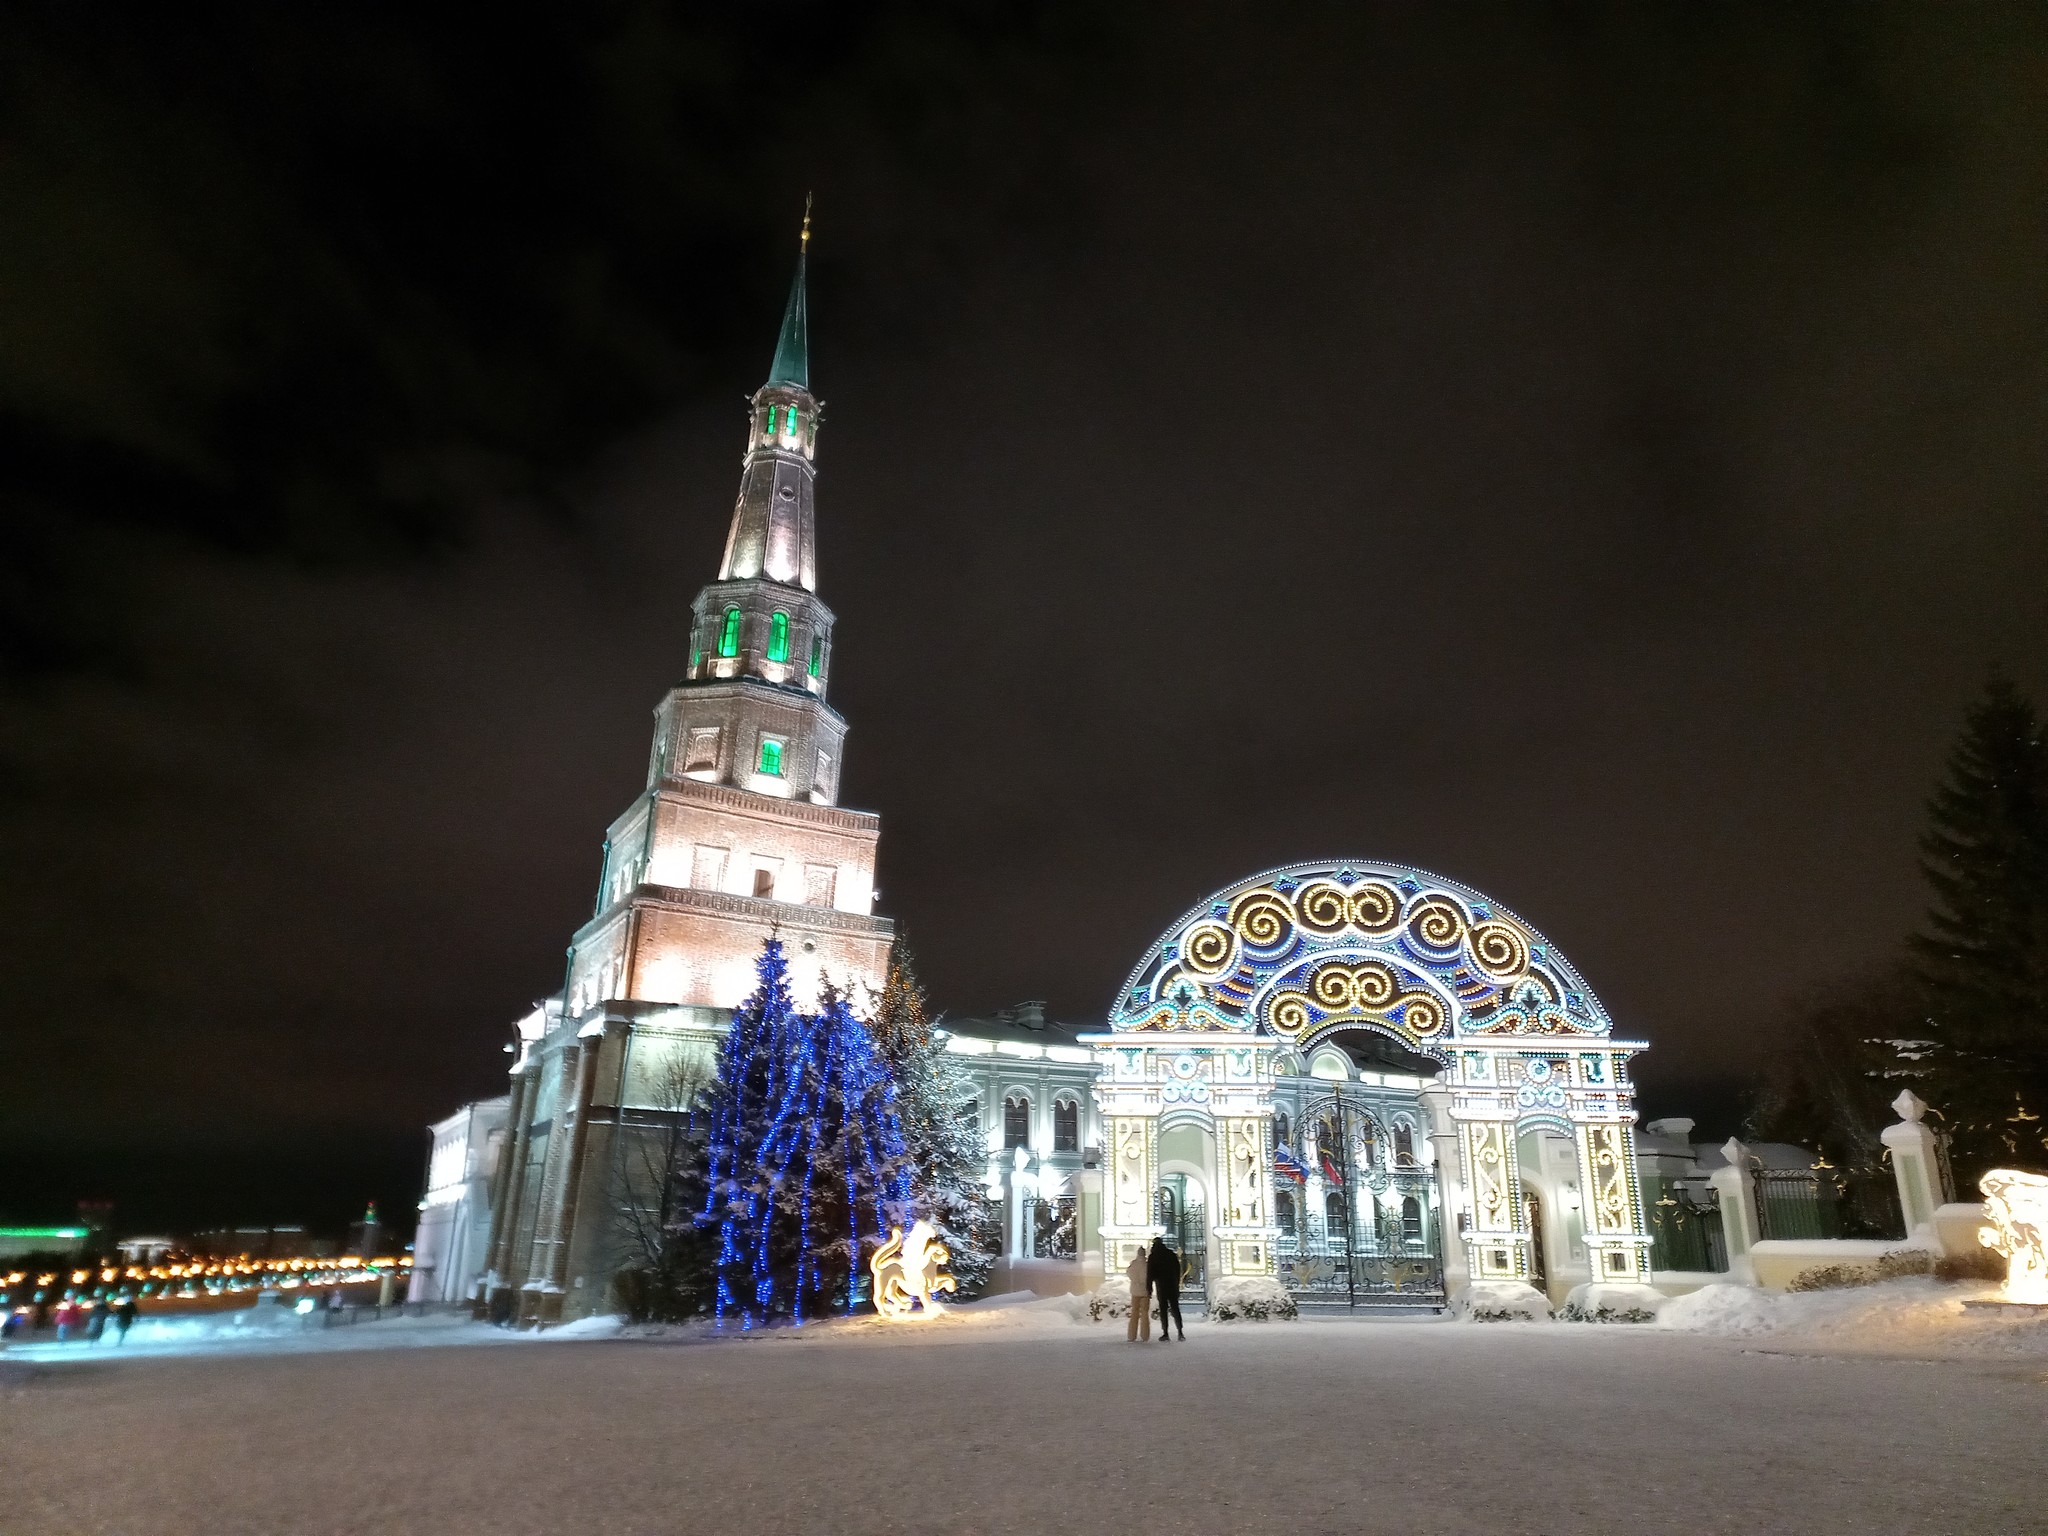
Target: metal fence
(1685, 1226)
(1827, 1202)
(1054, 1227)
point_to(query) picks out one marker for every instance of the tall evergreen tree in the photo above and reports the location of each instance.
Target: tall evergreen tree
(1984, 960)
(947, 1151)
(804, 1161)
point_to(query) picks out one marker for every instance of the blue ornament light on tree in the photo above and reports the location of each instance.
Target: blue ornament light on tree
(806, 1159)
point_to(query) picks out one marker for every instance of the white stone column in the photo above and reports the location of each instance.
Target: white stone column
(1737, 1192)
(1452, 1200)
(1916, 1166)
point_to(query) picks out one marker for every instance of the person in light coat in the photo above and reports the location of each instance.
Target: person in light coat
(1140, 1329)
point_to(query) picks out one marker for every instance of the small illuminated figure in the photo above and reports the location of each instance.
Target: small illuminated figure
(2016, 1205)
(907, 1271)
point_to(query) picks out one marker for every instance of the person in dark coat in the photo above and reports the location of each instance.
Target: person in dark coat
(1162, 1267)
(124, 1317)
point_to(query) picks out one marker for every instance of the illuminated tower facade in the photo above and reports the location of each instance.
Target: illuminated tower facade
(737, 835)
(739, 830)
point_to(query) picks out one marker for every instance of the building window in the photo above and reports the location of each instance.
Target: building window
(1411, 1219)
(1333, 1215)
(970, 1116)
(764, 884)
(1016, 1123)
(1404, 1147)
(771, 756)
(821, 884)
(1283, 1212)
(707, 867)
(1283, 1130)
(1368, 1145)
(794, 418)
(701, 751)
(729, 636)
(1066, 1126)
(771, 421)
(817, 654)
(778, 636)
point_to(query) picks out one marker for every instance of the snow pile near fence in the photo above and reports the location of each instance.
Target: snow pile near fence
(1256, 1298)
(1908, 1316)
(1500, 1301)
(1112, 1298)
(1605, 1301)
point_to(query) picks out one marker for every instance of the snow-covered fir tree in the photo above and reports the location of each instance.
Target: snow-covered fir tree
(804, 1161)
(948, 1154)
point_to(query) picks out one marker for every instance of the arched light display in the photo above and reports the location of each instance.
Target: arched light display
(1294, 956)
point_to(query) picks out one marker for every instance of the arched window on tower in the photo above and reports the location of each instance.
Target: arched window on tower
(1066, 1126)
(817, 654)
(729, 635)
(1404, 1147)
(1283, 1130)
(778, 636)
(1016, 1122)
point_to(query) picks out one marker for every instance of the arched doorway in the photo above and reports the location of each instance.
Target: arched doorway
(1292, 962)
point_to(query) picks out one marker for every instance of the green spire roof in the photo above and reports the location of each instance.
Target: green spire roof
(793, 347)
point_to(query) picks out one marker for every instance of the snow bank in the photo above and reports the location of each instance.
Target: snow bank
(1606, 1302)
(1258, 1298)
(1500, 1301)
(1913, 1315)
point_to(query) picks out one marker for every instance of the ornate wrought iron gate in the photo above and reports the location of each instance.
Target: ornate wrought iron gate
(1375, 1240)
(1187, 1234)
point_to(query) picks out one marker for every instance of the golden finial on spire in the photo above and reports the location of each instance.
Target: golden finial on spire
(804, 240)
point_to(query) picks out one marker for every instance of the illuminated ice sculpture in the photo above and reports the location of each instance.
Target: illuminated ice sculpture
(2016, 1206)
(908, 1270)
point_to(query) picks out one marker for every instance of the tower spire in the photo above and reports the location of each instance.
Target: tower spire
(793, 347)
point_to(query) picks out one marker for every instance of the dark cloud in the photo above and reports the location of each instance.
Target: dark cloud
(1593, 455)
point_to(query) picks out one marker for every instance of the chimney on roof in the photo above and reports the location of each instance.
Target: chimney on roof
(1030, 1015)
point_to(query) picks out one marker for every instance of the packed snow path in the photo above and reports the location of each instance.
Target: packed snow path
(1035, 1425)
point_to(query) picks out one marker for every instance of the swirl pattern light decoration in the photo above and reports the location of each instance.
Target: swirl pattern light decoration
(1304, 950)
(908, 1272)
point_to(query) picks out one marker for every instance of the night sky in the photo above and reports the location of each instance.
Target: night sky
(1592, 454)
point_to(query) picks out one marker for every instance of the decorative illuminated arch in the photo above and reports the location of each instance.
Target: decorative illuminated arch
(1299, 952)
(1278, 964)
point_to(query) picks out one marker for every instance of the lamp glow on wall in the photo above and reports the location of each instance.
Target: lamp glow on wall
(2016, 1206)
(908, 1272)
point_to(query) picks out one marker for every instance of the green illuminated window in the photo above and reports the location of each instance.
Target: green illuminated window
(771, 757)
(817, 654)
(771, 421)
(778, 637)
(794, 416)
(729, 637)
(695, 657)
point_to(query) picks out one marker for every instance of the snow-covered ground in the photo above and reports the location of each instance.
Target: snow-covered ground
(1734, 1412)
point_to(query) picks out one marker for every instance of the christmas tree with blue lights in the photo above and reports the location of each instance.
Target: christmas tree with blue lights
(805, 1162)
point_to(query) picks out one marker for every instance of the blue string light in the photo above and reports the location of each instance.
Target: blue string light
(798, 1093)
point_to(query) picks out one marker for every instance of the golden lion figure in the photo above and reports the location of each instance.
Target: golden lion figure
(907, 1271)
(2016, 1205)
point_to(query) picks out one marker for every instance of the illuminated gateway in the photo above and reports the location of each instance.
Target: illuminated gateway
(1367, 1082)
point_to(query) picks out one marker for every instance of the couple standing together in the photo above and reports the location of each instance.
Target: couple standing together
(1154, 1269)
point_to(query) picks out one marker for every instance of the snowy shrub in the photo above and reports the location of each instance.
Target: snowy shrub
(1111, 1299)
(1977, 1264)
(1258, 1299)
(1500, 1301)
(1890, 1266)
(1601, 1302)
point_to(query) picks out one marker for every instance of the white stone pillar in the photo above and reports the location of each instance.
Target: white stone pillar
(1916, 1166)
(1450, 1189)
(1737, 1192)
